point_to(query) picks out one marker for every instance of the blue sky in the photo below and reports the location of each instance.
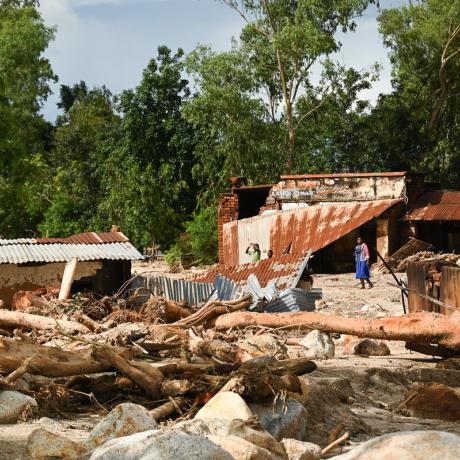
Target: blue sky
(109, 42)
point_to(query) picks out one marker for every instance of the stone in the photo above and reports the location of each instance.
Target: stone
(298, 450)
(250, 430)
(240, 449)
(13, 405)
(160, 445)
(124, 420)
(43, 444)
(319, 344)
(282, 419)
(367, 347)
(262, 345)
(225, 405)
(50, 424)
(407, 445)
(433, 401)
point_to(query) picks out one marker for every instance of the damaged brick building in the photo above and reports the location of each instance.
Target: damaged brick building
(326, 212)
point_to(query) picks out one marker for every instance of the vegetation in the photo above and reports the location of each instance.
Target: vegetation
(155, 158)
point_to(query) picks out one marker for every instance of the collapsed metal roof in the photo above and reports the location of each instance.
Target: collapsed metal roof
(312, 227)
(284, 271)
(436, 205)
(84, 246)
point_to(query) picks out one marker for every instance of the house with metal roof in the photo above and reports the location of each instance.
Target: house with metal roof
(325, 213)
(103, 263)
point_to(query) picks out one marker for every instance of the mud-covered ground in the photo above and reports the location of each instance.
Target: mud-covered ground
(355, 393)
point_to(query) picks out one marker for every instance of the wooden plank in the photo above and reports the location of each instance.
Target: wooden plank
(67, 278)
(450, 288)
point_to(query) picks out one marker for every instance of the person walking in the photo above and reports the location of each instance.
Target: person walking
(363, 272)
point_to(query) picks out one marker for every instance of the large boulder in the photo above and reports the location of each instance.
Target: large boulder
(13, 405)
(240, 449)
(366, 347)
(250, 431)
(160, 445)
(43, 444)
(407, 445)
(433, 400)
(225, 405)
(298, 450)
(283, 419)
(124, 420)
(319, 345)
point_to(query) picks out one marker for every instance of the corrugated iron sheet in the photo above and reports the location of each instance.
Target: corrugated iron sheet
(81, 238)
(436, 205)
(450, 288)
(293, 300)
(25, 253)
(313, 228)
(283, 271)
(334, 175)
(226, 289)
(179, 290)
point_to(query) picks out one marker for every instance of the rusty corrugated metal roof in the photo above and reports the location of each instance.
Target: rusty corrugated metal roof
(313, 227)
(436, 205)
(283, 270)
(87, 238)
(336, 175)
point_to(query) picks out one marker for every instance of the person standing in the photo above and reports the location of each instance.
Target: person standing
(253, 252)
(363, 272)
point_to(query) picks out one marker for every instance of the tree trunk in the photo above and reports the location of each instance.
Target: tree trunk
(50, 361)
(25, 320)
(416, 327)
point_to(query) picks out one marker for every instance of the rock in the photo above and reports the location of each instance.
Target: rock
(340, 386)
(160, 445)
(366, 347)
(319, 344)
(225, 405)
(283, 419)
(298, 450)
(250, 430)
(13, 405)
(124, 420)
(50, 424)
(42, 444)
(434, 400)
(240, 449)
(407, 445)
(263, 344)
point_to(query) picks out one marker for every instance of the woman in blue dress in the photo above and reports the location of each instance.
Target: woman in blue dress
(363, 272)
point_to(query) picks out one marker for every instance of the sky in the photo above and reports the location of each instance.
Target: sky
(109, 42)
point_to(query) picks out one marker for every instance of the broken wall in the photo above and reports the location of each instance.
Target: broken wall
(28, 277)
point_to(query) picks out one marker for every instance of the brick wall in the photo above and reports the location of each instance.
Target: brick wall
(227, 212)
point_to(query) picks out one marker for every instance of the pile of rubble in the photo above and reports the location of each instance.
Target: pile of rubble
(429, 257)
(209, 381)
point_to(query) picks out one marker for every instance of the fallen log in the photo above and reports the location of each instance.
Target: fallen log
(421, 327)
(50, 361)
(170, 408)
(15, 319)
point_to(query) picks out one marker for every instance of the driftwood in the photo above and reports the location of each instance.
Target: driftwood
(15, 319)
(416, 327)
(51, 361)
(149, 380)
(170, 408)
(214, 308)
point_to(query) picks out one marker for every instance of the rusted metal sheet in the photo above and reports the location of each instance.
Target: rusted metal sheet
(86, 238)
(436, 205)
(450, 288)
(416, 281)
(230, 243)
(313, 227)
(253, 230)
(283, 271)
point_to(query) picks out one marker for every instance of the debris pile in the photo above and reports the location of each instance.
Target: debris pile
(219, 378)
(425, 256)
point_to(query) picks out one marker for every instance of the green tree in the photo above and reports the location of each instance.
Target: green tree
(148, 185)
(25, 76)
(282, 40)
(424, 42)
(83, 130)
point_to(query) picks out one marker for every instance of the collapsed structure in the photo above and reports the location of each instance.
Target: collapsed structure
(325, 213)
(104, 263)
